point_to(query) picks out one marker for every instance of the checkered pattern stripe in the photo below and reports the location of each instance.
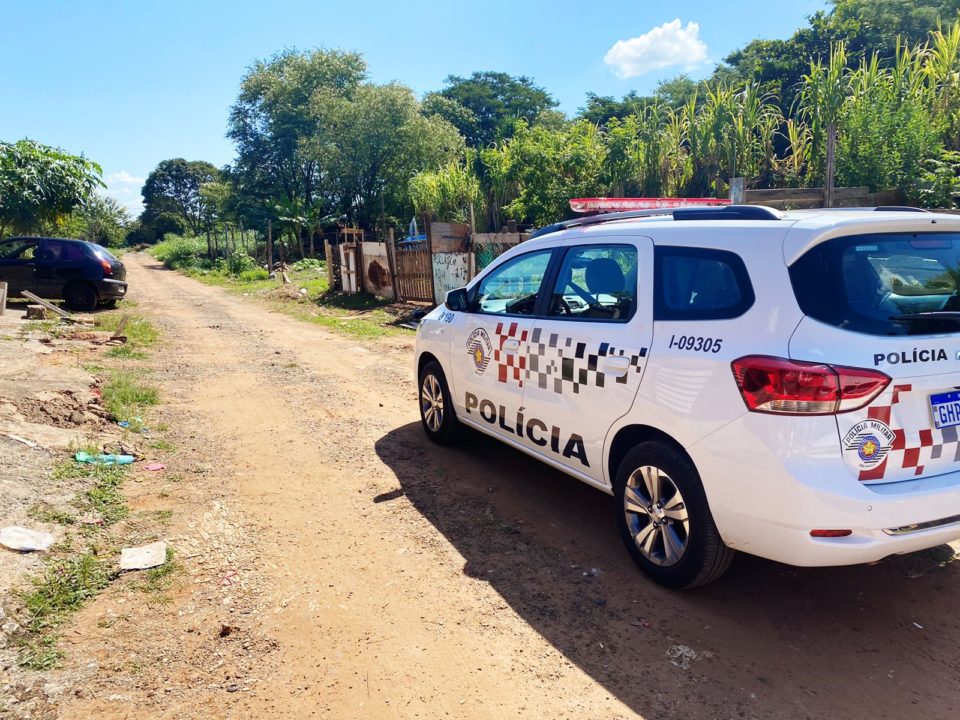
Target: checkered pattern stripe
(510, 365)
(557, 363)
(931, 446)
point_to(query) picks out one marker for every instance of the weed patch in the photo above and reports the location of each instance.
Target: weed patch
(125, 396)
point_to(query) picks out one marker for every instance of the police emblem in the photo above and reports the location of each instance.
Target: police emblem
(867, 443)
(480, 349)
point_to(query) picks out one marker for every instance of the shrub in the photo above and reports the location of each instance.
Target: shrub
(254, 275)
(176, 251)
(308, 264)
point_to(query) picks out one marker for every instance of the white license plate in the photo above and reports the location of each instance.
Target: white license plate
(946, 409)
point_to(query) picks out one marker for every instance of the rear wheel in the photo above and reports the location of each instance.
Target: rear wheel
(80, 297)
(436, 407)
(664, 519)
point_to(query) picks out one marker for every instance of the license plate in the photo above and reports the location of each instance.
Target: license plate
(946, 409)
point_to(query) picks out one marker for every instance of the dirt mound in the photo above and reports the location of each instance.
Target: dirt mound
(60, 409)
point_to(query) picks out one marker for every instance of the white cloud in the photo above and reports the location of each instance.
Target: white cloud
(665, 45)
(124, 187)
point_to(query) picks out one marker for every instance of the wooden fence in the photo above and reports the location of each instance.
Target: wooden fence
(806, 198)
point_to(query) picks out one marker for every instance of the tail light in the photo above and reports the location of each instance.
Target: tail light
(107, 267)
(788, 387)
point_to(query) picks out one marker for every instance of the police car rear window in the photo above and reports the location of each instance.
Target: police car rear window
(889, 284)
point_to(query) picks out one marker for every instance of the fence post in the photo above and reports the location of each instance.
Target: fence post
(3, 298)
(738, 190)
(392, 264)
(433, 280)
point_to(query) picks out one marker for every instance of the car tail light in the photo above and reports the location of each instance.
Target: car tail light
(788, 387)
(107, 267)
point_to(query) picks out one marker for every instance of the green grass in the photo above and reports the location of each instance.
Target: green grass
(103, 496)
(45, 513)
(125, 397)
(63, 587)
(159, 579)
(126, 352)
(139, 330)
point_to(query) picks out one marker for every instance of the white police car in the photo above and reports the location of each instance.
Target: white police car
(786, 384)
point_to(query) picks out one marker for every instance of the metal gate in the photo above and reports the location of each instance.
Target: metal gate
(414, 271)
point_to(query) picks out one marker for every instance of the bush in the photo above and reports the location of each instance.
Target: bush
(254, 275)
(237, 263)
(308, 264)
(178, 252)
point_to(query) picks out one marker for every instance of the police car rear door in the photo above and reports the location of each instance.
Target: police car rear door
(587, 353)
(489, 347)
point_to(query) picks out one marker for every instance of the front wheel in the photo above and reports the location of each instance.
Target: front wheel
(436, 406)
(664, 519)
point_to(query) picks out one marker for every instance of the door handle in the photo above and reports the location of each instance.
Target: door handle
(511, 345)
(616, 365)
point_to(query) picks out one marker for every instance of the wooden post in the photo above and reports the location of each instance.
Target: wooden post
(3, 298)
(392, 264)
(269, 245)
(473, 221)
(361, 280)
(831, 160)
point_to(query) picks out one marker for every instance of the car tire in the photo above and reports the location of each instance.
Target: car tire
(664, 519)
(80, 297)
(436, 406)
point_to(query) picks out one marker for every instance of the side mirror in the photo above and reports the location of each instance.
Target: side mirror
(457, 300)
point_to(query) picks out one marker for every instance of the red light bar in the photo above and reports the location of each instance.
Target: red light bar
(583, 205)
(830, 533)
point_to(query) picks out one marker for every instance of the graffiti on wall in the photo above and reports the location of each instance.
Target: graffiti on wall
(450, 271)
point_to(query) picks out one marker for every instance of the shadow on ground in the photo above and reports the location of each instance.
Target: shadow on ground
(773, 641)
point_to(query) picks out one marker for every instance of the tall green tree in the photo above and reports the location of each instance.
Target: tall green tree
(41, 184)
(174, 187)
(495, 101)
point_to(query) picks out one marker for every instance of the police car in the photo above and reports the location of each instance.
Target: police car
(785, 384)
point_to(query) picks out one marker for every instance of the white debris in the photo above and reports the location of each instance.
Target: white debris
(144, 557)
(23, 540)
(681, 655)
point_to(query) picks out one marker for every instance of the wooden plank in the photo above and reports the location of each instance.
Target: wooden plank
(448, 237)
(121, 326)
(49, 306)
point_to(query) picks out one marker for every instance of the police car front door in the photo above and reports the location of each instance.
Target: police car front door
(586, 357)
(489, 348)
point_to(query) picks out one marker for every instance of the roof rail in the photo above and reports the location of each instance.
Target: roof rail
(705, 212)
(899, 208)
(727, 212)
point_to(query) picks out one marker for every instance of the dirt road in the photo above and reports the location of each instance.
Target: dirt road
(394, 579)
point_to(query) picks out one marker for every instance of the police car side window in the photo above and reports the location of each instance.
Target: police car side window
(700, 284)
(512, 288)
(596, 282)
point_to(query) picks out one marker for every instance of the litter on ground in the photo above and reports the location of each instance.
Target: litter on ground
(102, 459)
(143, 557)
(24, 540)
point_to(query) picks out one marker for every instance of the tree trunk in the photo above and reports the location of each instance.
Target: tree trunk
(831, 162)
(269, 246)
(209, 244)
(299, 234)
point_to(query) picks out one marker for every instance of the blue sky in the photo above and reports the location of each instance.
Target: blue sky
(132, 83)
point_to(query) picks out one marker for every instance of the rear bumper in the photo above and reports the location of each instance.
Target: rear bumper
(768, 489)
(109, 289)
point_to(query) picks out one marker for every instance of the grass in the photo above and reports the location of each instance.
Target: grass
(125, 397)
(103, 496)
(65, 584)
(45, 513)
(126, 352)
(159, 579)
(139, 330)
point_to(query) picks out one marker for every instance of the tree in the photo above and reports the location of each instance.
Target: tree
(101, 219)
(174, 187)
(496, 100)
(271, 124)
(39, 184)
(373, 143)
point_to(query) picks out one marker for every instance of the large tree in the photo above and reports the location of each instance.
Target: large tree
(40, 184)
(271, 124)
(490, 103)
(174, 187)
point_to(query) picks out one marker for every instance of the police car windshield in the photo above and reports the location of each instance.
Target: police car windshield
(891, 284)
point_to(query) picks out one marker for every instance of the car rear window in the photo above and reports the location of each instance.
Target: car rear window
(890, 284)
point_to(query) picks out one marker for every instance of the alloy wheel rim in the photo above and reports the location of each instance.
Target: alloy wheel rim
(431, 403)
(656, 515)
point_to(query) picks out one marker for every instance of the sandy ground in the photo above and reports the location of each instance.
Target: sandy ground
(363, 573)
